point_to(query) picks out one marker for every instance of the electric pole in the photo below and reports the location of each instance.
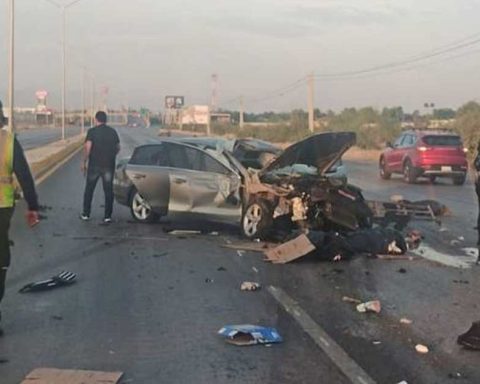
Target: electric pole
(241, 112)
(10, 75)
(310, 102)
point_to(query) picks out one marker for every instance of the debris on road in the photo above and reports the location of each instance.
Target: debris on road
(247, 334)
(471, 338)
(221, 269)
(61, 376)
(208, 280)
(183, 232)
(250, 246)
(370, 306)
(421, 349)
(404, 320)
(402, 270)
(64, 278)
(351, 300)
(4, 361)
(455, 375)
(290, 250)
(161, 254)
(250, 286)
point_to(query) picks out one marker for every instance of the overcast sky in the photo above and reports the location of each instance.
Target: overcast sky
(146, 49)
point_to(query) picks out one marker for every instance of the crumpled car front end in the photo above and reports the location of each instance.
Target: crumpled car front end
(293, 191)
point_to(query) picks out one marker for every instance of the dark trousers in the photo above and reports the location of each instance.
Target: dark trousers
(93, 174)
(5, 217)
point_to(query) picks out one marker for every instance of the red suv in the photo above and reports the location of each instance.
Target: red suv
(425, 153)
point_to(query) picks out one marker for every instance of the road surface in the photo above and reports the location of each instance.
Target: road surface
(32, 138)
(149, 303)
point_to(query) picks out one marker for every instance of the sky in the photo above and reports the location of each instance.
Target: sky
(144, 50)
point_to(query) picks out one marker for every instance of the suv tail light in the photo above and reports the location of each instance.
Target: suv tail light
(422, 148)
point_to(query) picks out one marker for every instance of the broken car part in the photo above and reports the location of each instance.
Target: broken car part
(64, 278)
(246, 334)
(471, 338)
(370, 306)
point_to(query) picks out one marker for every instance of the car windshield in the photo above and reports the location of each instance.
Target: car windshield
(443, 140)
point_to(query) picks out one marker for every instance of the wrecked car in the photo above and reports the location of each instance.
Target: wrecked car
(291, 191)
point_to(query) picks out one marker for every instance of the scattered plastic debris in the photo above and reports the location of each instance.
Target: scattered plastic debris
(247, 334)
(64, 278)
(351, 300)
(250, 286)
(370, 306)
(208, 280)
(404, 320)
(221, 269)
(471, 338)
(376, 342)
(455, 375)
(421, 349)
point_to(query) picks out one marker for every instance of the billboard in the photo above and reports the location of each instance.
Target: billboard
(174, 102)
(196, 114)
(41, 96)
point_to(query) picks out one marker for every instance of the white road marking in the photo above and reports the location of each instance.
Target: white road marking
(458, 261)
(339, 357)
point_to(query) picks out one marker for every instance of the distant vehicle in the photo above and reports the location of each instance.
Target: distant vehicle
(173, 176)
(425, 153)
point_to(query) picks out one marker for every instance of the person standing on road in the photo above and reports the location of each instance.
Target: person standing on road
(100, 150)
(12, 162)
(476, 164)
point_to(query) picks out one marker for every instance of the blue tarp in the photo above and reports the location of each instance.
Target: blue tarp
(246, 334)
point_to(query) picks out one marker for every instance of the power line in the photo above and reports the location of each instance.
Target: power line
(413, 59)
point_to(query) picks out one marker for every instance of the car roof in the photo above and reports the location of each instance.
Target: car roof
(432, 132)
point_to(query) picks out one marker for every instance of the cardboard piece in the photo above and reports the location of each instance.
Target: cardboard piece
(70, 376)
(289, 251)
(246, 334)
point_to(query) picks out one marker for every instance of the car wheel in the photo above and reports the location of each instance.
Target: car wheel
(141, 210)
(257, 219)
(409, 173)
(459, 180)
(384, 174)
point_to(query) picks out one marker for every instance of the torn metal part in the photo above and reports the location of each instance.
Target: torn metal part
(64, 278)
(246, 334)
(250, 286)
(299, 210)
(290, 250)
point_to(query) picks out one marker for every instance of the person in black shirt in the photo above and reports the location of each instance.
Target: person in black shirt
(10, 164)
(100, 150)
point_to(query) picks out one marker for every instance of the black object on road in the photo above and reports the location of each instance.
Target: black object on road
(62, 279)
(471, 338)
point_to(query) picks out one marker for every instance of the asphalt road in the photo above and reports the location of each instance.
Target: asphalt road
(149, 303)
(32, 138)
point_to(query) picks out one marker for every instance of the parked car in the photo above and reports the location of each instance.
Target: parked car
(173, 176)
(425, 153)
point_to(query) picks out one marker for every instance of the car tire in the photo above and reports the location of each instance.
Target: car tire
(140, 210)
(409, 172)
(459, 180)
(384, 174)
(257, 219)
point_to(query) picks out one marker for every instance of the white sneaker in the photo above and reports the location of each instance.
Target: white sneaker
(84, 217)
(107, 220)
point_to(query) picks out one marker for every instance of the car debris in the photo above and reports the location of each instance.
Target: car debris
(63, 279)
(370, 306)
(246, 334)
(348, 299)
(74, 376)
(420, 348)
(250, 286)
(402, 270)
(290, 250)
(404, 320)
(471, 338)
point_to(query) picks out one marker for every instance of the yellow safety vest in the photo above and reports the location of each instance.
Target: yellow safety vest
(7, 189)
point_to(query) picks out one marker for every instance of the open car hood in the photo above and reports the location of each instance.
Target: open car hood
(319, 151)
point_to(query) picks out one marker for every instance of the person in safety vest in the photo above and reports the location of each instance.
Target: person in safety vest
(12, 162)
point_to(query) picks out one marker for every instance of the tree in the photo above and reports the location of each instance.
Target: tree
(468, 124)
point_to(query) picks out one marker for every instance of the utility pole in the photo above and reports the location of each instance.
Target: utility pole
(209, 119)
(11, 61)
(64, 71)
(241, 112)
(83, 99)
(310, 102)
(92, 122)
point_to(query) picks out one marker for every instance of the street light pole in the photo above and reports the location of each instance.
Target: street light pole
(64, 75)
(11, 62)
